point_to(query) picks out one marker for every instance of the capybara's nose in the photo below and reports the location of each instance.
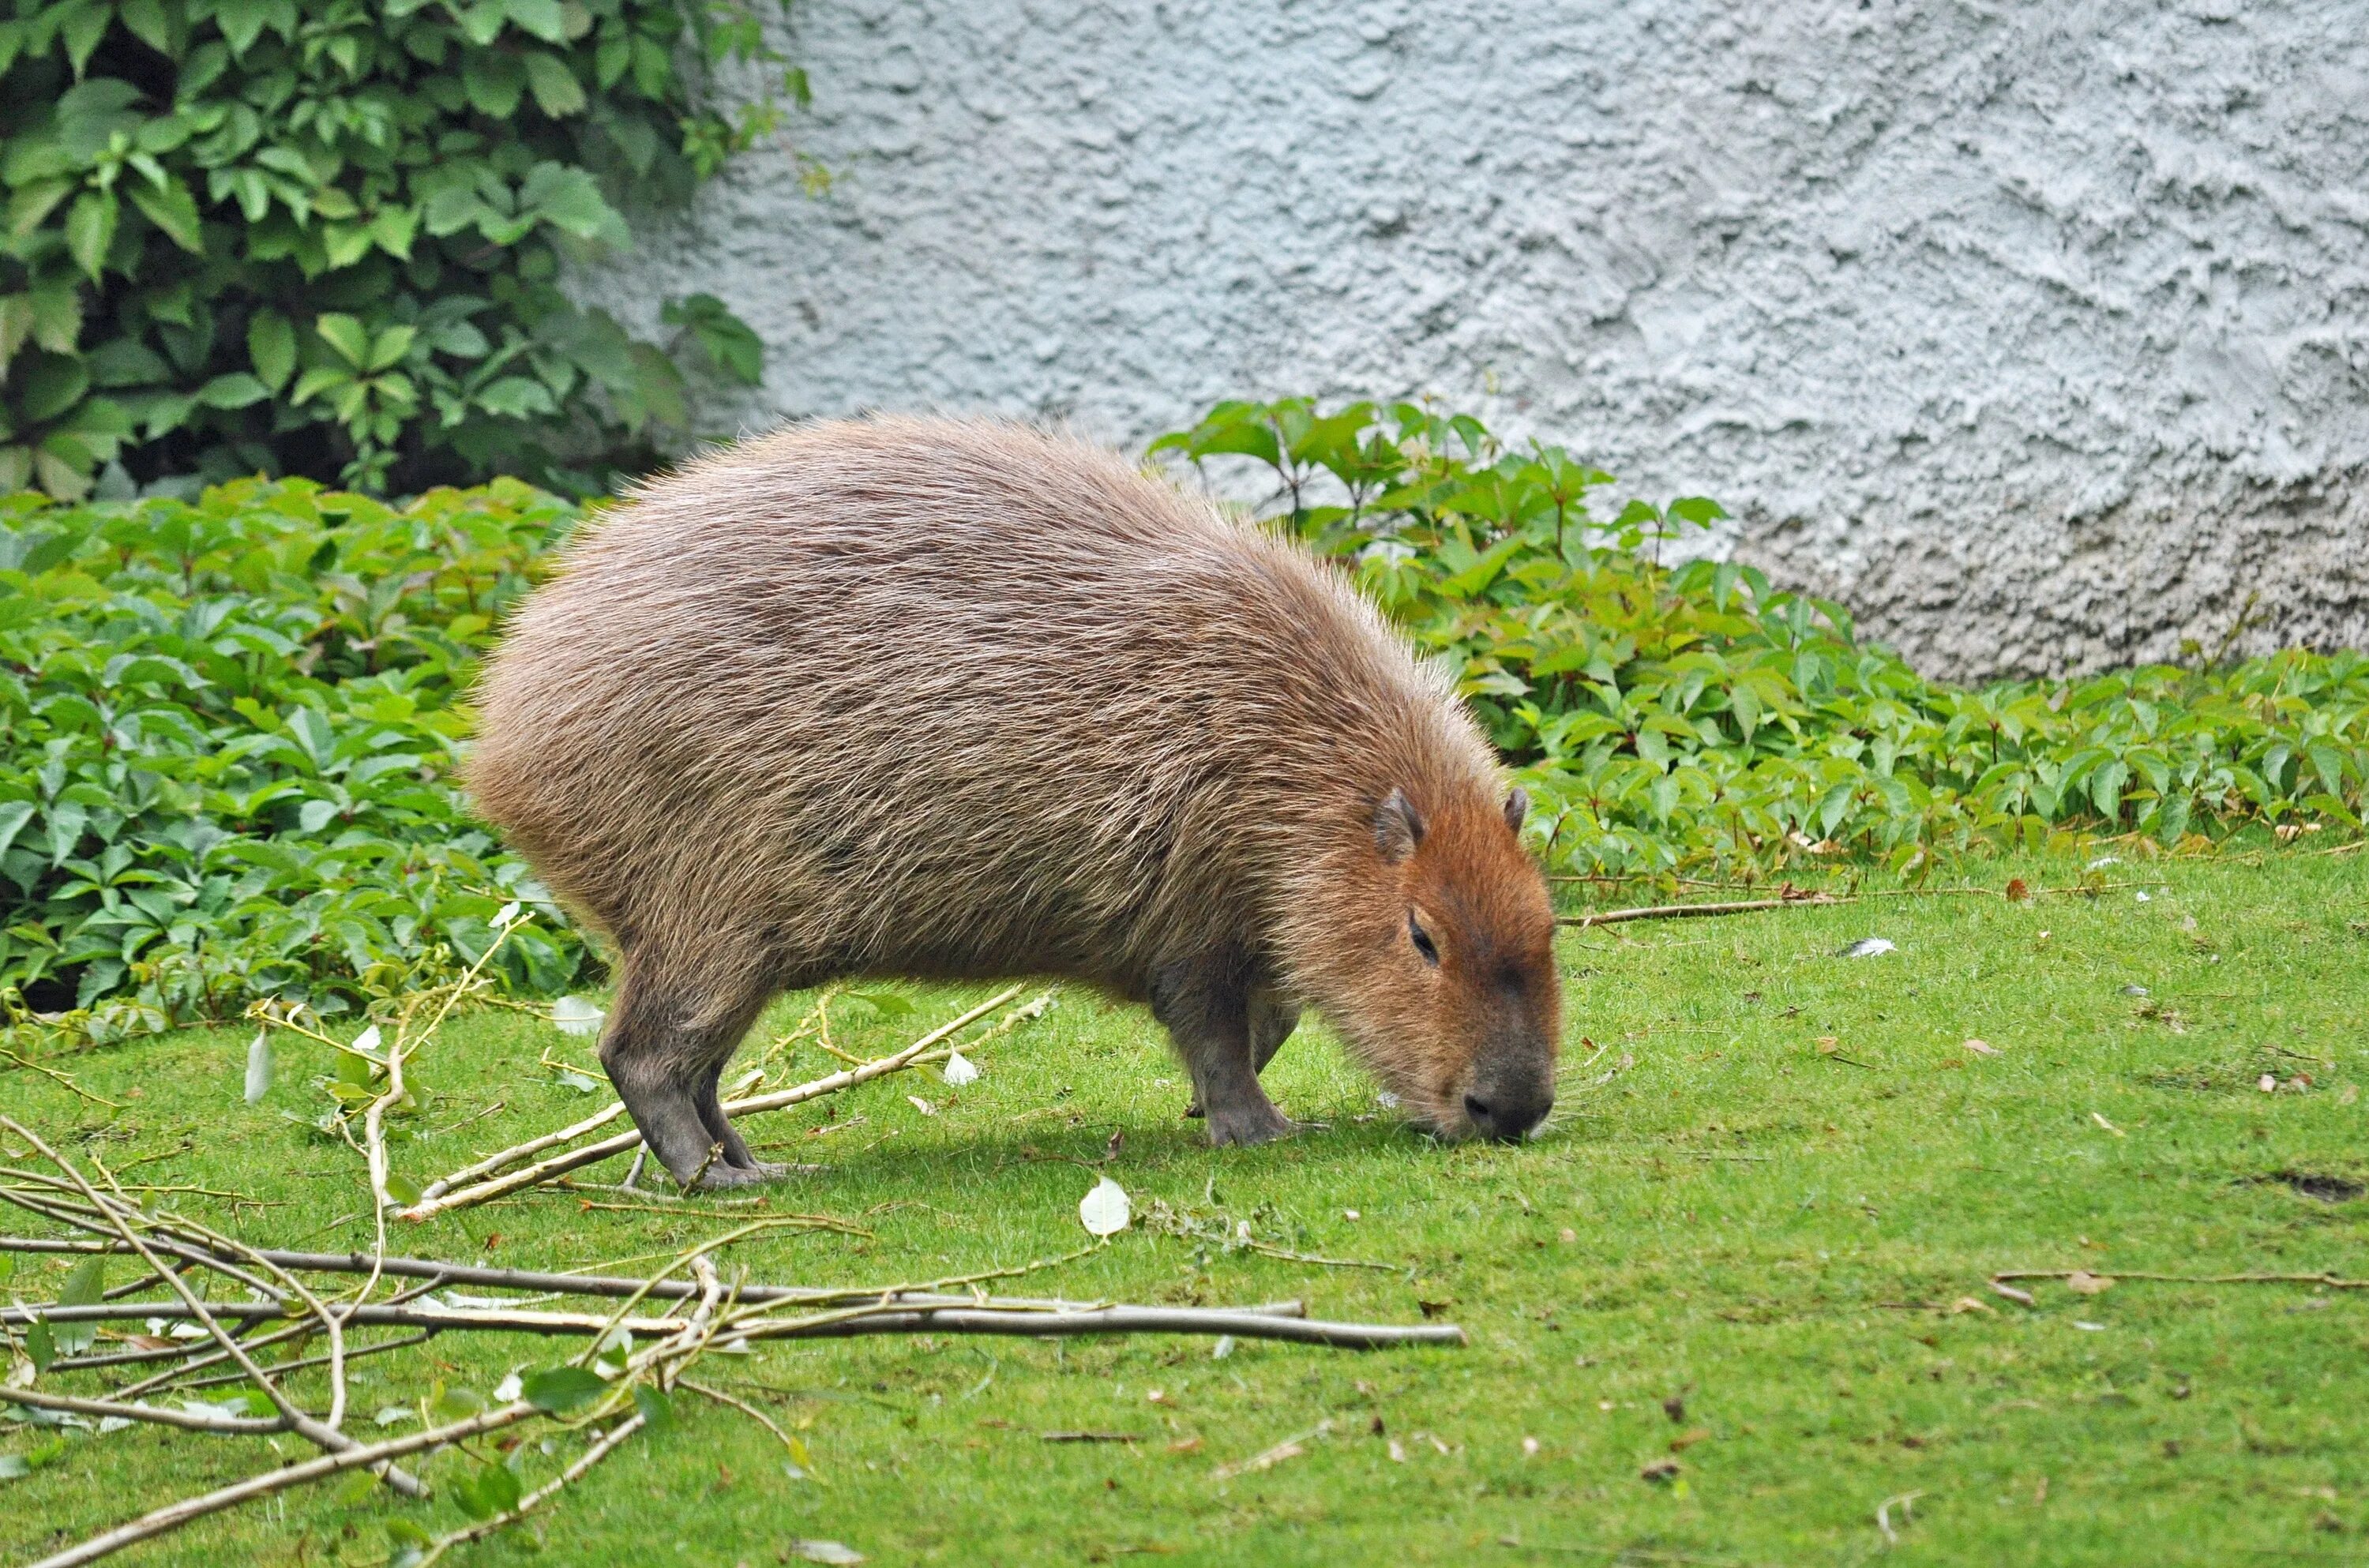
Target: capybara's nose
(1507, 1115)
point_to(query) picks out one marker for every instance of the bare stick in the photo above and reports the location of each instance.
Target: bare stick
(623, 1142)
(2333, 1281)
(188, 1420)
(354, 1354)
(865, 1314)
(1688, 911)
(173, 1516)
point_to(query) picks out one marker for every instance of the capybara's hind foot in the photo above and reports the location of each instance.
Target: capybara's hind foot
(720, 1176)
(1258, 1123)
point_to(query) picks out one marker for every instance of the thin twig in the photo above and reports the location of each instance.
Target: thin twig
(60, 1077)
(601, 1449)
(1687, 912)
(2332, 1281)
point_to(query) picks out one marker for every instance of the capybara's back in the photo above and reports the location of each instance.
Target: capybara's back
(948, 699)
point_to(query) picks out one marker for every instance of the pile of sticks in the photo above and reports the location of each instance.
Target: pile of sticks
(233, 1313)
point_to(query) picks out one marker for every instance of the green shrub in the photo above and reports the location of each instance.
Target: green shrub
(322, 237)
(228, 733)
(1694, 715)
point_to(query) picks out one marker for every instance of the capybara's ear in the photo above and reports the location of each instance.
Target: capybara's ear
(1398, 826)
(1517, 806)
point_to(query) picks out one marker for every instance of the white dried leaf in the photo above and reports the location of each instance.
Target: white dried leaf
(1869, 947)
(923, 1106)
(1223, 1348)
(392, 1414)
(508, 1389)
(1105, 1211)
(258, 1066)
(1982, 1049)
(367, 1040)
(959, 1071)
(574, 1015)
(504, 915)
(824, 1551)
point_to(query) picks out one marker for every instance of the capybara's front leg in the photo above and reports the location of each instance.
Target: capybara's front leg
(1272, 1020)
(1205, 1003)
(665, 1046)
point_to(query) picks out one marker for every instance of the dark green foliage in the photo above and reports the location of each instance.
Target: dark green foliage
(226, 748)
(322, 237)
(1667, 716)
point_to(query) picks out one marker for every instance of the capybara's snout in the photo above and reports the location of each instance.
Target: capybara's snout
(1511, 1091)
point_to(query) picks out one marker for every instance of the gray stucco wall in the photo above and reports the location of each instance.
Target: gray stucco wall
(2037, 332)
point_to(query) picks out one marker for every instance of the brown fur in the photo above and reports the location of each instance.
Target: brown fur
(958, 700)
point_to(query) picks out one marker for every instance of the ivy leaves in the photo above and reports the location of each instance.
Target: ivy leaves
(201, 195)
(1667, 717)
(228, 730)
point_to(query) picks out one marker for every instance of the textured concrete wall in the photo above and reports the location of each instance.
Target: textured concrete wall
(2037, 332)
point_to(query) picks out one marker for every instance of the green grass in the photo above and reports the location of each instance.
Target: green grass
(1775, 1236)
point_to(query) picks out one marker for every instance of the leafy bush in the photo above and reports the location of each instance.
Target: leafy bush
(228, 733)
(322, 237)
(1668, 716)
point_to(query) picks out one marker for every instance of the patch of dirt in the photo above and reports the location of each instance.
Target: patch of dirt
(2312, 1183)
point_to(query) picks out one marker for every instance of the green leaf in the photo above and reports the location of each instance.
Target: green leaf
(544, 19)
(242, 21)
(490, 1490)
(556, 91)
(560, 1389)
(390, 347)
(147, 21)
(569, 200)
(54, 386)
(40, 1345)
(173, 210)
(237, 389)
(494, 82)
(272, 347)
(657, 1411)
(90, 230)
(85, 1285)
(346, 336)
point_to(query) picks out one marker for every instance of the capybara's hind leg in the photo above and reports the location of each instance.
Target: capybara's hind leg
(671, 1035)
(736, 1157)
(1205, 1003)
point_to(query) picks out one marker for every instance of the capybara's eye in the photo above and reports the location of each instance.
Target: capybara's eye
(1422, 940)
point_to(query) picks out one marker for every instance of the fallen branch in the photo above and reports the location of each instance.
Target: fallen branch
(1690, 911)
(2333, 1281)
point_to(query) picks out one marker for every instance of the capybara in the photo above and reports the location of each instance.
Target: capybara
(958, 699)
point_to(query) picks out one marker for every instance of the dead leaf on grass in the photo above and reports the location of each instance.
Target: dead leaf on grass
(2081, 1282)
(1289, 1448)
(2021, 1298)
(1981, 1049)
(1687, 1439)
(1660, 1470)
(1968, 1304)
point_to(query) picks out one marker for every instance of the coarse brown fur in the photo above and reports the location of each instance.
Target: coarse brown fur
(959, 700)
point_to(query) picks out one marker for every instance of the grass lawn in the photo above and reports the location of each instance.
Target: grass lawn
(1764, 1261)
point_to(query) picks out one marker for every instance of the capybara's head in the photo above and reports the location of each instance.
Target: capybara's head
(1445, 980)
